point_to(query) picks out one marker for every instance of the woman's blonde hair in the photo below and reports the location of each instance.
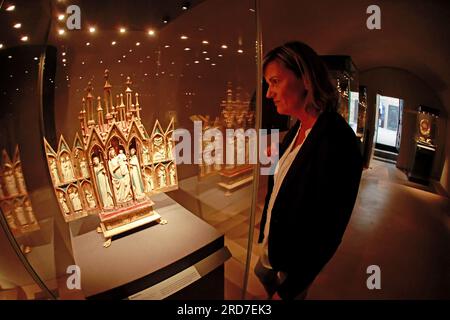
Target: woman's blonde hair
(305, 63)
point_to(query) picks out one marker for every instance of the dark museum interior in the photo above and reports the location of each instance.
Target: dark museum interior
(85, 85)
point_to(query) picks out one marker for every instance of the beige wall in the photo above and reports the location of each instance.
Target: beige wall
(402, 84)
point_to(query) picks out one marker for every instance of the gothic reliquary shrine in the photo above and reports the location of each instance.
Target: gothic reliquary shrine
(14, 199)
(114, 165)
(236, 115)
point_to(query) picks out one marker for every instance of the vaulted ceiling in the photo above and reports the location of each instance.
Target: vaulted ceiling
(413, 36)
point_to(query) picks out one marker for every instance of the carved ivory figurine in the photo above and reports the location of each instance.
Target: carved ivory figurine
(10, 183)
(136, 177)
(67, 169)
(159, 152)
(104, 189)
(161, 172)
(149, 180)
(120, 177)
(172, 174)
(145, 155)
(90, 199)
(62, 200)
(75, 199)
(20, 180)
(54, 172)
(29, 212)
(84, 168)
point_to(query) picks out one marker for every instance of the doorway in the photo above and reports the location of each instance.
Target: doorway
(388, 128)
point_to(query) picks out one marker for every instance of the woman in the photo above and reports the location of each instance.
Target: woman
(311, 196)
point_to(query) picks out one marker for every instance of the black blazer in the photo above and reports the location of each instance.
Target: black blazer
(314, 202)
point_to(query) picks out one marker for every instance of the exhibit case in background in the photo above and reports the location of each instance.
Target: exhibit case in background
(106, 159)
(425, 144)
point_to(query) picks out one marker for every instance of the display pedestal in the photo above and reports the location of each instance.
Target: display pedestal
(154, 261)
(423, 163)
(235, 178)
(120, 221)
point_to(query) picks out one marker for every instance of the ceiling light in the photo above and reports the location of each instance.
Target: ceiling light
(92, 29)
(88, 44)
(166, 46)
(1, 45)
(24, 38)
(122, 30)
(205, 42)
(205, 52)
(11, 8)
(213, 64)
(185, 5)
(61, 32)
(64, 60)
(183, 37)
(138, 44)
(224, 46)
(17, 26)
(207, 58)
(220, 56)
(151, 32)
(240, 51)
(61, 17)
(196, 61)
(63, 53)
(113, 43)
(36, 58)
(187, 49)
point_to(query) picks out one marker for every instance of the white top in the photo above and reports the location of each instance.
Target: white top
(281, 170)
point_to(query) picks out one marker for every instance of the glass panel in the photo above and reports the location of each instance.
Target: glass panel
(120, 123)
(23, 197)
(127, 96)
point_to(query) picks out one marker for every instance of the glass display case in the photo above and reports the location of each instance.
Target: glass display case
(425, 144)
(362, 113)
(344, 75)
(110, 166)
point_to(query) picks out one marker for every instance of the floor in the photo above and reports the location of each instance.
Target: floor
(401, 227)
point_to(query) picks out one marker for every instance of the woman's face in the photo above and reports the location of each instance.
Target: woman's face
(285, 89)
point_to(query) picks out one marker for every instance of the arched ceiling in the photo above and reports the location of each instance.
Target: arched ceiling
(414, 34)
